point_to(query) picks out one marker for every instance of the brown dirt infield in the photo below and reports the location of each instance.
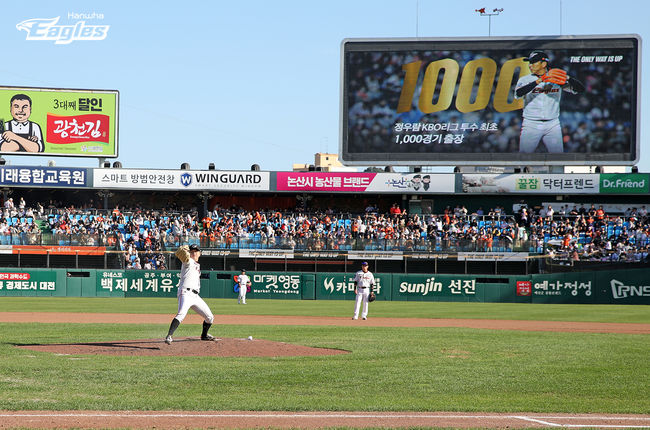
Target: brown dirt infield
(186, 347)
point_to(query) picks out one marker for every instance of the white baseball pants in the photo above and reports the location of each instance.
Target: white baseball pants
(189, 300)
(242, 294)
(549, 132)
(362, 296)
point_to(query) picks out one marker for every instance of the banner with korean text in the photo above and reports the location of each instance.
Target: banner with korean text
(35, 282)
(475, 101)
(59, 122)
(340, 286)
(182, 180)
(137, 283)
(35, 176)
(418, 183)
(264, 285)
(531, 183)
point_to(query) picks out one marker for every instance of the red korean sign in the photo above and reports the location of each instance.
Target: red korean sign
(58, 250)
(524, 288)
(324, 181)
(78, 128)
(14, 276)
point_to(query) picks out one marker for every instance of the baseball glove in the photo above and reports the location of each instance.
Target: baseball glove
(372, 297)
(555, 76)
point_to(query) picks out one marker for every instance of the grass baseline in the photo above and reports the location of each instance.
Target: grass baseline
(397, 309)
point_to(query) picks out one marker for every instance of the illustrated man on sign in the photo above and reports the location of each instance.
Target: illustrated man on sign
(541, 92)
(21, 134)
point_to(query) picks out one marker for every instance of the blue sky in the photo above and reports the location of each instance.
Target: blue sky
(238, 83)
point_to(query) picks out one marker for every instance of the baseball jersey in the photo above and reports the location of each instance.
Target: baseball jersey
(364, 280)
(243, 280)
(543, 102)
(190, 272)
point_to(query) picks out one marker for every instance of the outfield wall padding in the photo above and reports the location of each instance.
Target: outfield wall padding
(612, 287)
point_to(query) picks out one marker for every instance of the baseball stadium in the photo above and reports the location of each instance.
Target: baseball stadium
(368, 289)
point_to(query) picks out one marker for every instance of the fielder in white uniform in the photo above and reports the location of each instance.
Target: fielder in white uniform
(244, 282)
(364, 282)
(188, 292)
(542, 105)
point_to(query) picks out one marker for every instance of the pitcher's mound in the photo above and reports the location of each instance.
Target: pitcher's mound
(186, 346)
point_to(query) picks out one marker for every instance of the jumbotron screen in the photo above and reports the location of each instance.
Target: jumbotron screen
(566, 100)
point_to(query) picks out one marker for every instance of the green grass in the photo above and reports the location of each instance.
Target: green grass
(387, 369)
(509, 311)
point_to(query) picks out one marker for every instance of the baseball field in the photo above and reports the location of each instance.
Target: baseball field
(408, 359)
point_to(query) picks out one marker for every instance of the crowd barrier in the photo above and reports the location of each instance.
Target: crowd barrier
(614, 287)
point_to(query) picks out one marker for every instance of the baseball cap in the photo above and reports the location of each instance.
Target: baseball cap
(365, 263)
(243, 270)
(194, 247)
(536, 56)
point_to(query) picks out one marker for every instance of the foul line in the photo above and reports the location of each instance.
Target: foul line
(538, 419)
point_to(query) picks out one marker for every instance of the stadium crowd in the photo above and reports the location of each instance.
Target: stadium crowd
(570, 234)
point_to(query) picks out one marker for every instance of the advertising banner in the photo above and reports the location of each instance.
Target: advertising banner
(456, 288)
(58, 250)
(491, 256)
(567, 183)
(417, 183)
(60, 122)
(564, 288)
(340, 286)
(276, 285)
(375, 255)
(34, 176)
(624, 183)
(183, 180)
(613, 287)
(265, 253)
(627, 287)
(14, 282)
(137, 283)
(476, 101)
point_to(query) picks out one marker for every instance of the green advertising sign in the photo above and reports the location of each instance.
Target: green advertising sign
(624, 183)
(626, 287)
(31, 283)
(564, 288)
(137, 283)
(615, 287)
(276, 285)
(435, 287)
(340, 286)
(47, 121)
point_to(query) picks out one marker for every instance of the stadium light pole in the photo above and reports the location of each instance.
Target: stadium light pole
(495, 11)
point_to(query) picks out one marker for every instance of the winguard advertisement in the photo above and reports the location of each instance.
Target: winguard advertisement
(190, 180)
